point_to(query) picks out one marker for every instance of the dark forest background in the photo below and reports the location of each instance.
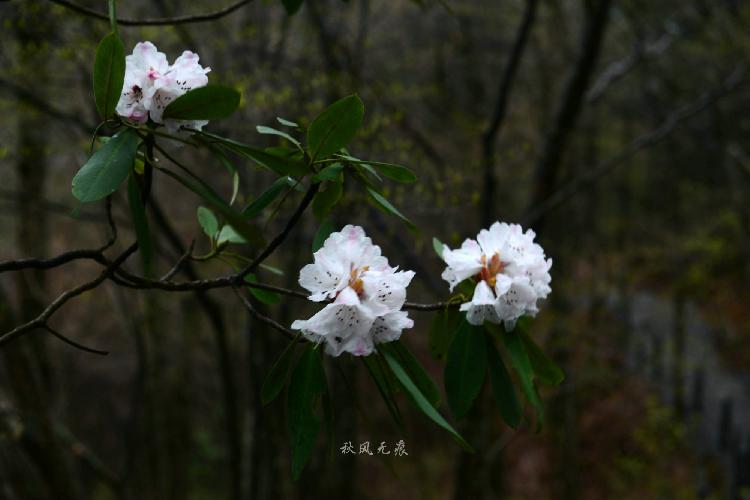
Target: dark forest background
(617, 129)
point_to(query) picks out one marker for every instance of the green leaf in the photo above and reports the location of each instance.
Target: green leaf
(329, 173)
(272, 269)
(234, 218)
(324, 201)
(265, 296)
(420, 400)
(325, 230)
(465, 368)
(544, 368)
(334, 127)
(381, 377)
(231, 168)
(267, 196)
(387, 206)
(286, 123)
(393, 171)
(366, 171)
(211, 102)
(142, 232)
(276, 378)
(208, 222)
(502, 386)
(282, 164)
(262, 129)
(292, 6)
(442, 330)
(522, 365)
(308, 382)
(438, 246)
(398, 173)
(415, 371)
(107, 168)
(109, 74)
(228, 234)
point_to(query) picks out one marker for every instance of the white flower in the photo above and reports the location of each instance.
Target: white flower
(184, 75)
(511, 271)
(142, 69)
(367, 295)
(151, 84)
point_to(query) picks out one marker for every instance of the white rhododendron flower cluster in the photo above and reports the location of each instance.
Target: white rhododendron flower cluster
(366, 293)
(511, 271)
(151, 83)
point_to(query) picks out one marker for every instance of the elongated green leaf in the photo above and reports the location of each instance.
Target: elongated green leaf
(502, 386)
(234, 218)
(334, 127)
(211, 102)
(262, 129)
(522, 365)
(109, 74)
(276, 378)
(386, 205)
(465, 369)
(142, 232)
(544, 368)
(308, 382)
(107, 168)
(385, 388)
(325, 200)
(367, 173)
(208, 222)
(282, 164)
(442, 330)
(272, 269)
(231, 168)
(420, 400)
(286, 123)
(325, 229)
(267, 196)
(329, 173)
(415, 371)
(393, 171)
(265, 296)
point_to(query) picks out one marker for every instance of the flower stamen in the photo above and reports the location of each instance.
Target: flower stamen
(355, 280)
(490, 270)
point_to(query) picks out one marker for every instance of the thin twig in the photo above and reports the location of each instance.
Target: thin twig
(437, 306)
(180, 263)
(279, 239)
(260, 317)
(74, 343)
(162, 21)
(41, 320)
(59, 260)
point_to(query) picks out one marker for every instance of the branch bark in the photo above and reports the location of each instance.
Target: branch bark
(498, 115)
(162, 21)
(556, 139)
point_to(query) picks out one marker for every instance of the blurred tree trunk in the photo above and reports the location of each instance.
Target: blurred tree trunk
(213, 312)
(474, 476)
(565, 118)
(489, 137)
(26, 360)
